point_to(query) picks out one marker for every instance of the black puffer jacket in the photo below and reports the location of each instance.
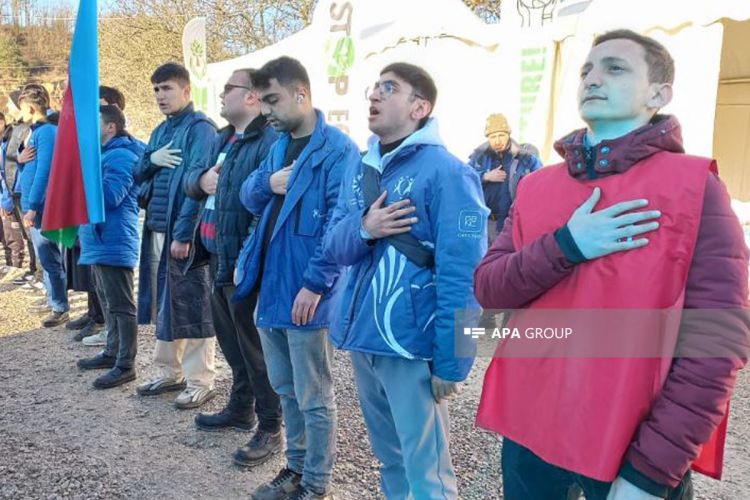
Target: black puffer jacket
(233, 222)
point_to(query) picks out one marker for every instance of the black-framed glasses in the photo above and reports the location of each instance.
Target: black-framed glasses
(230, 86)
(386, 89)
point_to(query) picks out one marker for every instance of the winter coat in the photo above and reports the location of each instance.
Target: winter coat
(294, 257)
(115, 241)
(233, 221)
(390, 305)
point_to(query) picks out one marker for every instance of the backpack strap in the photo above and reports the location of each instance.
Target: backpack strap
(405, 243)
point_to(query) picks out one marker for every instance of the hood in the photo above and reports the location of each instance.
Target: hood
(427, 135)
(125, 141)
(663, 133)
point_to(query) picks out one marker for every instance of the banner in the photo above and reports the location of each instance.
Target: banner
(194, 54)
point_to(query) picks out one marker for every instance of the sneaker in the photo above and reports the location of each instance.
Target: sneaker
(115, 377)
(97, 362)
(303, 493)
(193, 397)
(226, 419)
(159, 384)
(279, 488)
(55, 319)
(23, 280)
(79, 323)
(88, 330)
(259, 449)
(96, 340)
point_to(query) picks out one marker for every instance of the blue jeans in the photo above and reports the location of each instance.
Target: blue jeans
(408, 430)
(528, 477)
(51, 257)
(299, 368)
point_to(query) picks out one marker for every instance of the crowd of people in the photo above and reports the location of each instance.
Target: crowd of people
(278, 238)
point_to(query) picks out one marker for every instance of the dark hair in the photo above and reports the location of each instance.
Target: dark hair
(35, 94)
(250, 74)
(171, 71)
(112, 114)
(659, 61)
(286, 70)
(112, 96)
(419, 79)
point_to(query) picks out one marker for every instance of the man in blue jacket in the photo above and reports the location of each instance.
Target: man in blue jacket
(294, 193)
(174, 267)
(411, 224)
(36, 160)
(111, 248)
(238, 151)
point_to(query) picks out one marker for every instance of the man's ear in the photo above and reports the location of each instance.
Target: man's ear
(422, 109)
(187, 91)
(660, 95)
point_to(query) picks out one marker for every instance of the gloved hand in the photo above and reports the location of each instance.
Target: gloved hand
(611, 229)
(443, 389)
(166, 157)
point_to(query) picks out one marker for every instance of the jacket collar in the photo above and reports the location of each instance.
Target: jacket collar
(616, 156)
(176, 119)
(427, 135)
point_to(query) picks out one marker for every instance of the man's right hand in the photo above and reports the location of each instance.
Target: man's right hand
(210, 180)
(280, 179)
(381, 222)
(611, 229)
(27, 155)
(495, 175)
(166, 157)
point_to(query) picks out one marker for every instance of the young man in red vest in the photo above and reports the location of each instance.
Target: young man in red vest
(630, 223)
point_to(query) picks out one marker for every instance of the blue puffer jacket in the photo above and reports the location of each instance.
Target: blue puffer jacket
(35, 174)
(391, 306)
(294, 258)
(114, 242)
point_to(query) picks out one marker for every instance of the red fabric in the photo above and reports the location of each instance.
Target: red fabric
(65, 204)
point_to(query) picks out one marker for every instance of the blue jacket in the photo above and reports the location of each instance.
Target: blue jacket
(294, 258)
(391, 306)
(35, 174)
(497, 195)
(114, 242)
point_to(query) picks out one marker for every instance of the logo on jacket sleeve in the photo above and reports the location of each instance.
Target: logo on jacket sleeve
(470, 221)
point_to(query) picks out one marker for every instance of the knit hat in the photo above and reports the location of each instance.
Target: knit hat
(496, 122)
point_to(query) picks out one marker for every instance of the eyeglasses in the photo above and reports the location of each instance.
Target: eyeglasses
(386, 89)
(230, 86)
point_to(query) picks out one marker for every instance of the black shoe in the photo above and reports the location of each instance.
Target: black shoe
(116, 376)
(78, 323)
(286, 481)
(302, 493)
(259, 449)
(55, 319)
(88, 330)
(226, 419)
(97, 362)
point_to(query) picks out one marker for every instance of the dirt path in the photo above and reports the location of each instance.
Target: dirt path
(60, 438)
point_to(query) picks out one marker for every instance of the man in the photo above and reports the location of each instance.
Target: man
(90, 325)
(12, 213)
(501, 163)
(629, 222)
(173, 272)
(11, 235)
(238, 151)
(410, 223)
(111, 248)
(294, 192)
(36, 161)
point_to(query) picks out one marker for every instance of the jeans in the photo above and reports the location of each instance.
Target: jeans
(51, 258)
(299, 367)
(115, 287)
(528, 477)
(408, 430)
(240, 343)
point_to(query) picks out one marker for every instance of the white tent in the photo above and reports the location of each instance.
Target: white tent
(526, 67)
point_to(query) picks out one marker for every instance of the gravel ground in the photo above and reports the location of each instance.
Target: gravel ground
(60, 438)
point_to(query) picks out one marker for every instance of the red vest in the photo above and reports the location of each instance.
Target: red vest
(575, 411)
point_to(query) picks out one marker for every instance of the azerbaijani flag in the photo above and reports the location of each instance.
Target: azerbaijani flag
(74, 193)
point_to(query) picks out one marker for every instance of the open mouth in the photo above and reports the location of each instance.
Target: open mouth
(373, 112)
